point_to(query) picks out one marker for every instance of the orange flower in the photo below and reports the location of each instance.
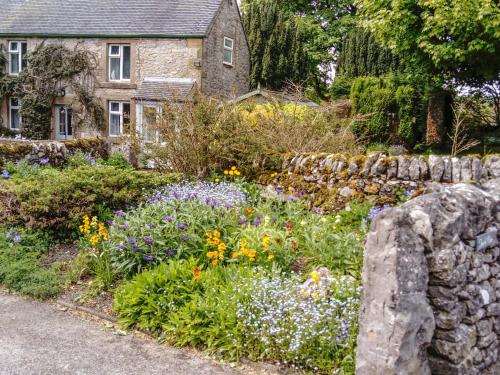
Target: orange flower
(250, 210)
(196, 274)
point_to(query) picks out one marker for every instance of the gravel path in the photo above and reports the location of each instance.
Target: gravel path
(38, 338)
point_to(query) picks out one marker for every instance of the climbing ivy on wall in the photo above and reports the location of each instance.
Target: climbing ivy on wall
(52, 71)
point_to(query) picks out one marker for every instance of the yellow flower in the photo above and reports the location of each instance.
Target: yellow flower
(237, 173)
(315, 295)
(323, 220)
(266, 241)
(235, 254)
(231, 173)
(233, 168)
(94, 239)
(214, 262)
(315, 277)
(270, 257)
(217, 180)
(226, 172)
(252, 254)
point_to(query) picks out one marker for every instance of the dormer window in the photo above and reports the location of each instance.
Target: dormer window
(119, 62)
(228, 51)
(17, 57)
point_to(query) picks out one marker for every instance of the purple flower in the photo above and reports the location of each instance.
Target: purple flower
(300, 194)
(171, 252)
(148, 258)
(5, 174)
(168, 219)
(181, 226)
(119, 213)
(274, 220)
(136, 248)
(409, 193)
(45, 161)
(256, 223)
(148, 240)
(109, 223)
(7, 235)
(124, 227)
(131, 241)
(260, 216)
(120, 246)
(185, 238)
(17, 238)
(150, 226)
(372, 214)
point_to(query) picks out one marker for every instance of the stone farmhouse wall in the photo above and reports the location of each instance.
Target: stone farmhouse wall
(431, 285)
(221, 80)
(159, 58)
(379, 175)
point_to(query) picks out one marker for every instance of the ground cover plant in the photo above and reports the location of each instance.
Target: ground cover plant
(21, 254)
(219, 266)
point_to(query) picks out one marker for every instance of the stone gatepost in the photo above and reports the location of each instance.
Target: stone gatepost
(431, 279)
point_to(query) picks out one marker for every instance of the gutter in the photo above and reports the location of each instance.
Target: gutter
(100, 36)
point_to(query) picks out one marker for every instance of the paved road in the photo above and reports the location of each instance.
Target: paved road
(37, 338)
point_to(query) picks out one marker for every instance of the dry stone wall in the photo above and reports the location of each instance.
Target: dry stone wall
(380, 175)
(431, 279)
(48, 152)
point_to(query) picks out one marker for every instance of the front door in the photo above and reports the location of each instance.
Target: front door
(64, 125)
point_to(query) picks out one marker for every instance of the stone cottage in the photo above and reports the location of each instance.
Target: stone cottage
(147, 51)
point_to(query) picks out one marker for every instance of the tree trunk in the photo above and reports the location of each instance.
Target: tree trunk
(436, 115)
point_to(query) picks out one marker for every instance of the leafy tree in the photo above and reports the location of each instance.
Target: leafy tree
(454, 39)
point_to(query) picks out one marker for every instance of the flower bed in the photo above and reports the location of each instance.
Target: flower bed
(219, 266)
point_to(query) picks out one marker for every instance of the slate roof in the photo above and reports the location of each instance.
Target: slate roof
(86, 18)
(164, 90)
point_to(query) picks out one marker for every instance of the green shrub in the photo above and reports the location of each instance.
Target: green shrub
(20, 255)
(56, 200)
(148, 300)
(118, 160)
(388, 109)
(341, 87)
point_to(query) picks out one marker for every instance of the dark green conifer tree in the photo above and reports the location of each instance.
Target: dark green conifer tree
(277, 44)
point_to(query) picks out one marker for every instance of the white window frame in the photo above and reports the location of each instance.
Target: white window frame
(117, 113)
(230, 49)
(19, 57)
(140, 120)
(120, 56)
(68, 117)
(13, 107)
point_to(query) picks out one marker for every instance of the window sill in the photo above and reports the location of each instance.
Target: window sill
(227, 65)
(118, 85)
